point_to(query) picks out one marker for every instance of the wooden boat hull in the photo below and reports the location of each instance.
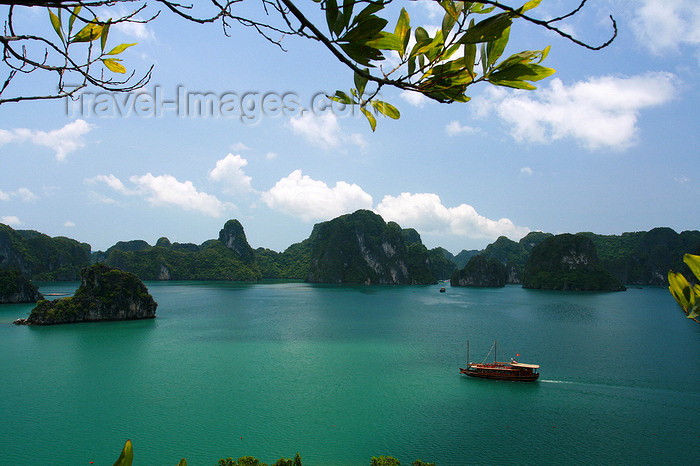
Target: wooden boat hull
(501, 373)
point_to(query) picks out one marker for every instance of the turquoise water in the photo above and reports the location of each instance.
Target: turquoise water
(340, 374)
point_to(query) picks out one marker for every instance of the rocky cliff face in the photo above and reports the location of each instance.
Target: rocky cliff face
(567, 262)
(362, 248)
(104, 294)
(15, 288)
(233, 237)
(481, 272)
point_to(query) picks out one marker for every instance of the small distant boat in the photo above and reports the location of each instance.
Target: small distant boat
(513, 370)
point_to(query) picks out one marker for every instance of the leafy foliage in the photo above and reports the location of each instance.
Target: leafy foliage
(641, 258)
(384, 461)
(41, 257)
(104, 294)
(687, 295)
(14, 287)
(362, 248)
(211, 261)
(481, 271)
(442, 66)
(567, 262)
(79, 33)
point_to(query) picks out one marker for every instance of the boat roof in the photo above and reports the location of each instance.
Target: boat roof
(527, 366)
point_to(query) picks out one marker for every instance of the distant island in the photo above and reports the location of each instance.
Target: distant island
(569, 263)
(354, 248)
(104, 294)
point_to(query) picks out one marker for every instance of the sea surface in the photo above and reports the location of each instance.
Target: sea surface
(343, 373)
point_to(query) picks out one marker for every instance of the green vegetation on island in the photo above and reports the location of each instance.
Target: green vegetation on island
(481, 271)
(354, 248)
(567, 262)
(105, 293)
(362, 248)
(16, 288)
(40, 257)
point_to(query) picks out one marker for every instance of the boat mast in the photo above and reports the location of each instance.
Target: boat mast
(467, 353)
(495, 351)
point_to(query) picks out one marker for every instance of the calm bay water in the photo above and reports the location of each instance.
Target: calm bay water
(340, 374)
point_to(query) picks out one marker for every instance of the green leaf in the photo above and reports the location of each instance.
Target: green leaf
(386, 41)
(183, 462)
(693, 262)
(448, 22)
(368, 11)
(470, 57)
(332, 14)
(679, 288)
(386, 109)
(56, 23)
(348, 6)
(403, 30)
(421, 35)
(522, 72)
(370, 118)
(127, 456)
(411, 65)
(342, 97)
(73, 15)
(362, 54)
(119, 49)
(90, 32)
(103, 36)
(360, 83)
(365, 30)
(114, 65)
(495, 49)
(512, 83)
(529, 6)
(487, 30)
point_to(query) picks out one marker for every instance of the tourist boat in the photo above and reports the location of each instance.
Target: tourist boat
(513, 370)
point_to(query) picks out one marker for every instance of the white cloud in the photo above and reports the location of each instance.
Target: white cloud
(62, 141)
(414, 98)
(664, 25)
(303, 197)
(323, 130)
(229, 170)
(526, 171)
(167, 190)
(599, 112)
(239, 146)
(23, 193)
(426, 213)
(11, 220)
(163, 190)
(26, 195)
(454, 128)
(271, 156)
(111, 181)
(68, 224)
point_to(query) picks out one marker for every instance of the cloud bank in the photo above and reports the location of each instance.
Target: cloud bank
(599, 112)
(62, 141)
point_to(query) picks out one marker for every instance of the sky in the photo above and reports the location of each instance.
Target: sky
(608, 144)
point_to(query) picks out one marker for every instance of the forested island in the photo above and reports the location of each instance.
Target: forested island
(104, 294)
(362, 248)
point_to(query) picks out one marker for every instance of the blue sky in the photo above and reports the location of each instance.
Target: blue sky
(608, 144)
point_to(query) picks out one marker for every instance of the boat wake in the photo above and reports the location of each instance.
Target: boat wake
(554, 381)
